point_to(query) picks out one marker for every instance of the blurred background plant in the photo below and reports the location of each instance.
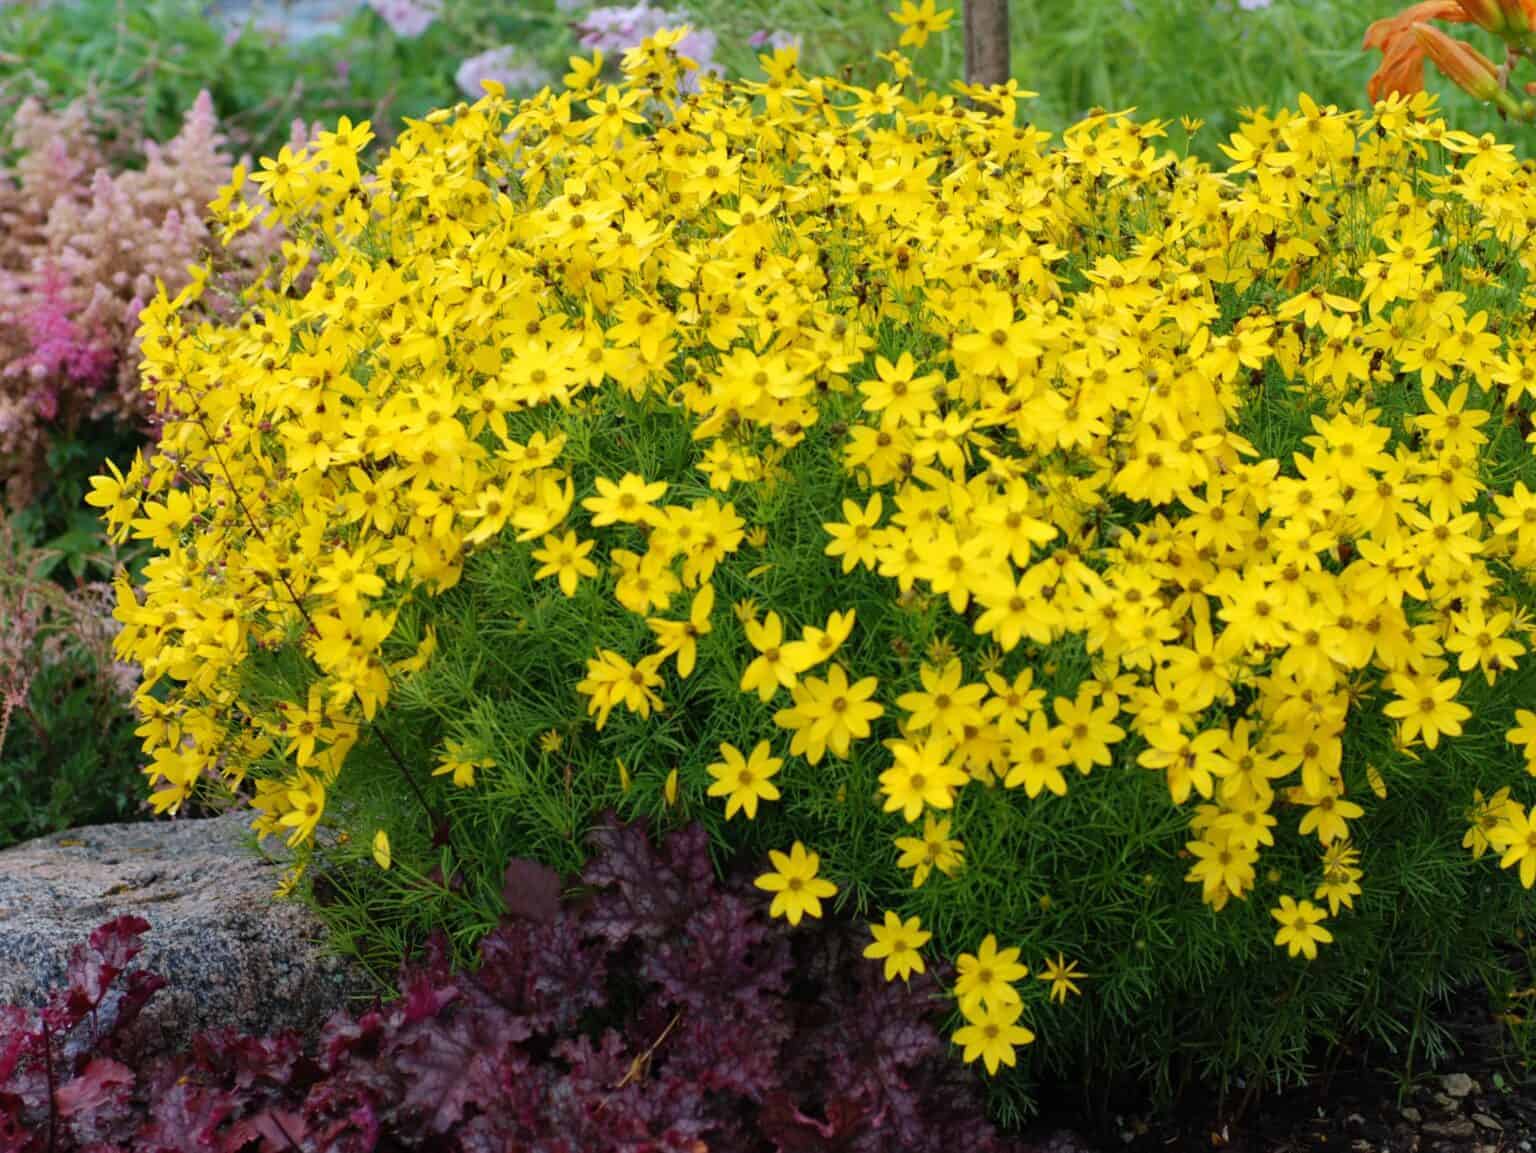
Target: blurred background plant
(83, 244)
(68, 755)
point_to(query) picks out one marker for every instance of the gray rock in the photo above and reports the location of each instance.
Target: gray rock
(232, 954)
(293, 20)
(1458, 1085)
(1457, 1127)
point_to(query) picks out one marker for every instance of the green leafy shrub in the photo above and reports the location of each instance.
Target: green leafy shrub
(1120, 566)
(68, 754)
(142, 65)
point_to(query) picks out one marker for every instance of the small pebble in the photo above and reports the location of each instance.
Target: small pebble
(1458, 1127)
(1412, 1115)
(1458, 1084)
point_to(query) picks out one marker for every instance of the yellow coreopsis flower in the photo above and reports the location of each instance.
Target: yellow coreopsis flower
(897, 942)
(1427, 708)
(459, 763)
(743, 781)
(923, 775)
(797, 890)
(1300, 931)
(1063, 976)
(306, 804)
(919, 21)
(992, 1033)
(935, 849)
(986, 978)
(630, 501)
(1514, 838)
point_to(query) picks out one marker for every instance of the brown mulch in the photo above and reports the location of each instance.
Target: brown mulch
(1480, 1101)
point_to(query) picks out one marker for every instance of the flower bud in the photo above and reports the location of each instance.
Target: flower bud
(1461, 63)
(1519, 15)
(1489, 14)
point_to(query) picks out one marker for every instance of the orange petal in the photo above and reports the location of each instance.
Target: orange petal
(1389, 28)
(1402, 72)
(1402, 65)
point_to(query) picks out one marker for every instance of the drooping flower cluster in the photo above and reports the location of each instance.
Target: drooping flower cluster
(1045, 387)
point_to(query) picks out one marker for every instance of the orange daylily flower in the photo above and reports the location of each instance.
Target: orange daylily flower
(1402, 65)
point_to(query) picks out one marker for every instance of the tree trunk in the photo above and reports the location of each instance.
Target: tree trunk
(986, 42)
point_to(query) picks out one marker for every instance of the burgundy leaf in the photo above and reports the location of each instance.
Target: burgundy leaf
(186, 1119)
(547, 974)
(530, 890)
(455, 1062)
(93, 967)
(104, 1084)
(666, 1014)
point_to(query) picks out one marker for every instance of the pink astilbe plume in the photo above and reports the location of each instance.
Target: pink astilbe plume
(60, 345)
(81, 247)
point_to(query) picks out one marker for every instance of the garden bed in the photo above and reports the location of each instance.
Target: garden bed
(791, 613)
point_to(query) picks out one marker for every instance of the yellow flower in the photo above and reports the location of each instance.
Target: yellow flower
(1427, 708)
(797, 889)
(992, 1033)
(935, 849)
(1514, 837)
(630, 501)
(986, 977)
(612, 681)
(681, 638)
(584, 72)
(829, 714)
(1486, 815)
(1523, 736)
(918, 22)
(1300, 931)
(306, 804)
(1063, 976)
(772, 668)
(458, 762)
(922, 775)
(897, 942)
(565, 559)
(744, 781)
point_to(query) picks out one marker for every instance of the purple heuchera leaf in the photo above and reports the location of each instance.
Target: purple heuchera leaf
(550, 975)
(186, 1118)
(666, 1014)
(636, 895)
(456, 1063)
(93, 967)
(96, 1107)
(642, 893)
(727, 951)
(531, 890)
